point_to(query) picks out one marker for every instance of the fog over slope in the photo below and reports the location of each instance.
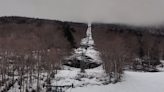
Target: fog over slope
(108, 11)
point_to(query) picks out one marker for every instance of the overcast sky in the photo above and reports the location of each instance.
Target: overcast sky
(108, 11)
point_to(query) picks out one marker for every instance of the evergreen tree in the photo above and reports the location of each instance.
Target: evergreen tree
(155, 51)
(140, 50)
(67, 33)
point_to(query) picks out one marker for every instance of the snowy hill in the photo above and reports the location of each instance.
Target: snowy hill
(91, 56)
(93, 80)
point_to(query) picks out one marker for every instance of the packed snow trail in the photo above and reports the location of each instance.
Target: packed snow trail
(88, 40)
(90, 51)
(86, 52)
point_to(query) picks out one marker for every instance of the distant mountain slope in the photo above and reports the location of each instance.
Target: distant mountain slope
(128, 43)
(130, 28)
(16, 24)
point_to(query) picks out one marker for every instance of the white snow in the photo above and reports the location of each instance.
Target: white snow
(73, 76)
(93, 79)
(131, 82)
(90, 51)
(88, 38)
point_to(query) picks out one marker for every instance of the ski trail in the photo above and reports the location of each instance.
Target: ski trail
(88, 40)
(87, 46)
(86, 51)
(89, 33)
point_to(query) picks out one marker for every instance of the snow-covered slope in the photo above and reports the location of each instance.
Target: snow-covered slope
(70, 75)
(93, 80)
(131, 82)
(90, 50)
(85, 52)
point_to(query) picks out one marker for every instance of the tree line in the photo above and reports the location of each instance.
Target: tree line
(123, 48)
(30, 51)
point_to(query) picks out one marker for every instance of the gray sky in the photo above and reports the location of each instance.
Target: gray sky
(109, 11)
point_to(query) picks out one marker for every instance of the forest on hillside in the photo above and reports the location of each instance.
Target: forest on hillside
(30, 46)
(127, 47)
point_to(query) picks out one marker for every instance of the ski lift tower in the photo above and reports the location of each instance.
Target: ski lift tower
(82, 63)
(85, 46)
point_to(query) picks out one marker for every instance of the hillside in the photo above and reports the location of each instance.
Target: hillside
(31, 46)
(39, 52)
(24, 25)
(137, 46)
